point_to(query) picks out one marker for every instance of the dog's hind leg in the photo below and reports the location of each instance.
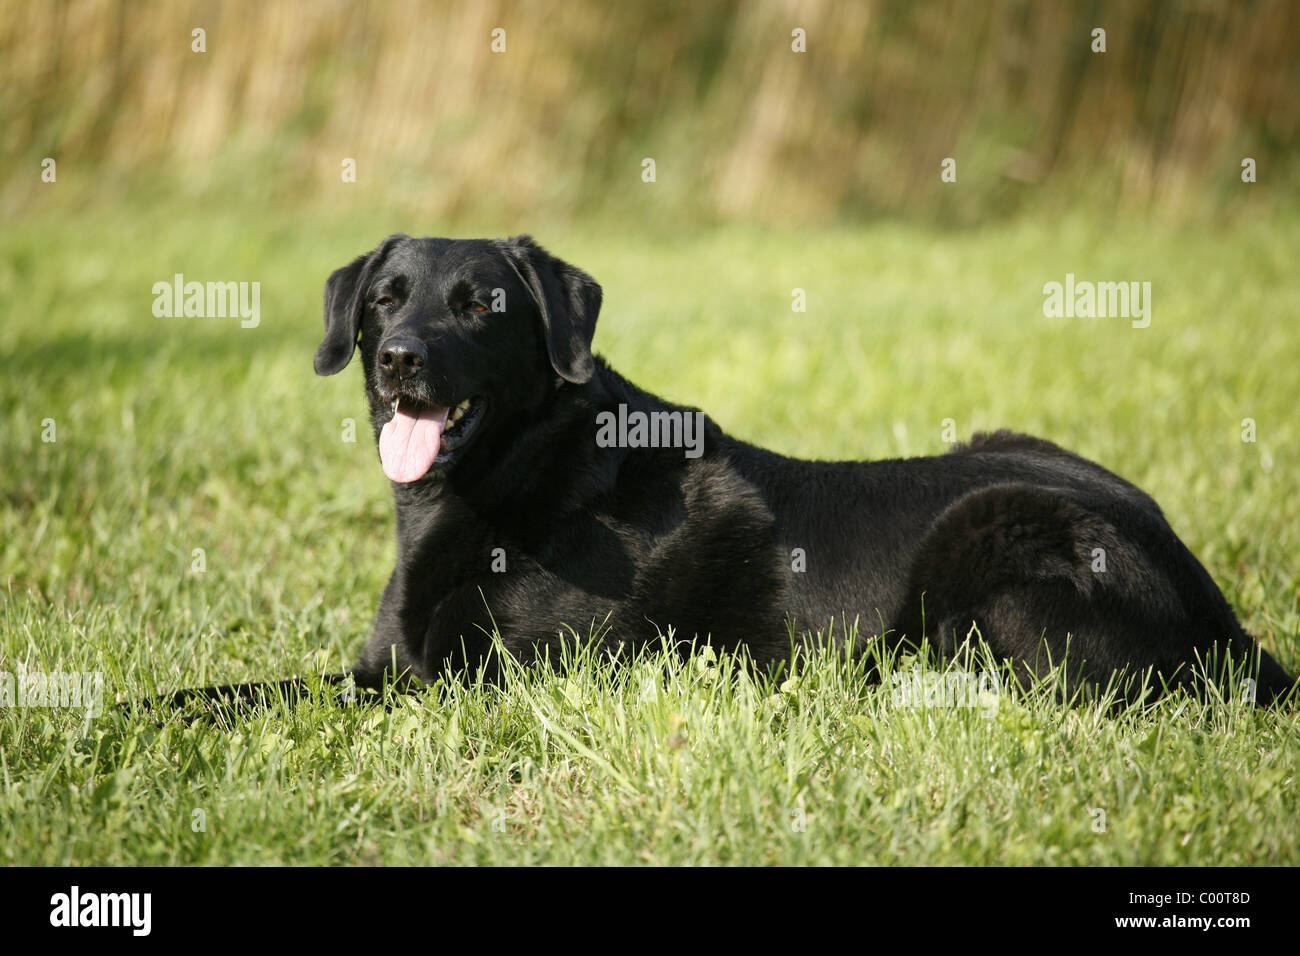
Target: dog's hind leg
(1047, 579)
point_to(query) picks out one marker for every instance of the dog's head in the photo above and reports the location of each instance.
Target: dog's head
(457, 337)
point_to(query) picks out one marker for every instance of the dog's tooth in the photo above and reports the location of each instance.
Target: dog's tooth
(463, 405)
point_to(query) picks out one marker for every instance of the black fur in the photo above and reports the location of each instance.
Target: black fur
(629, 542)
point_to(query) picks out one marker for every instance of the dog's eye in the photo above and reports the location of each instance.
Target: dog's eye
(385, 300)
(477, 307)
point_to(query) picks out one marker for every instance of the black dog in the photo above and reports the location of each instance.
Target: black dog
(514, 515)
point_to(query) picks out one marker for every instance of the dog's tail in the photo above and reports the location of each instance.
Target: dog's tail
(348, 687)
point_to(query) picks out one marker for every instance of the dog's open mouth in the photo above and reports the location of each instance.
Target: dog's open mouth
(421, 434)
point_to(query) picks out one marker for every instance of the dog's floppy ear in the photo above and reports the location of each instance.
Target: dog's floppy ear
(344, 305)
(568, 300)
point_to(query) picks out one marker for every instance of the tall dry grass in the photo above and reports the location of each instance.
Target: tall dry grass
(738, 124)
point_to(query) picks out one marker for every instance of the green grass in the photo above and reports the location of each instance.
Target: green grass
(183, 434)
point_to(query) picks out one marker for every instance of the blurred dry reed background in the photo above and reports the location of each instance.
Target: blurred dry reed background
(741, 127)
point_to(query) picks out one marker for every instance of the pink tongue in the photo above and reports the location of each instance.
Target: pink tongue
(409, 442)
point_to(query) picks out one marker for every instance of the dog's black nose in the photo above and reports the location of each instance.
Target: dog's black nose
(402, 358)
